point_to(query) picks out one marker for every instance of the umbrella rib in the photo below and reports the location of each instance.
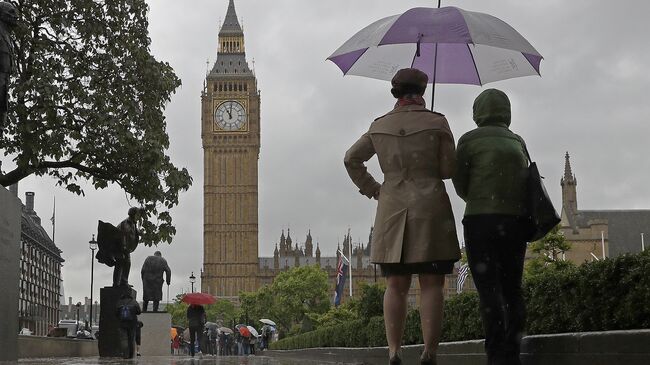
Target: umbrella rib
(478, 75)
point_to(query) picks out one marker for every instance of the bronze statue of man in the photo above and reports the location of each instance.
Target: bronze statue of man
(130, 235)
(152, 279)
(8, 21)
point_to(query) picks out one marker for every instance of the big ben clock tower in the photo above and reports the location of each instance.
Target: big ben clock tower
(230, 132)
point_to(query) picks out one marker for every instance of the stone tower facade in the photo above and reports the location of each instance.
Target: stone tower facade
(230, 132)
(569, 191)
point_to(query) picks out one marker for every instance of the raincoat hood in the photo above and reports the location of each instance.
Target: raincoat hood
(492, 107)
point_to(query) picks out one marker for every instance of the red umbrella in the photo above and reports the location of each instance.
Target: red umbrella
(198, 298)
(244, 331)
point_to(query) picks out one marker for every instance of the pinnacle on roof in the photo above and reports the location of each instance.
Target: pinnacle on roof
(568, 174)
(231, 23)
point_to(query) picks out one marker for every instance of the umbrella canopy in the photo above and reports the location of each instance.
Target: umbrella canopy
(211, 325)
(225, 330)
(268, 321)
(253, 331)
(198, 298)
(243, 330)
(449, 44)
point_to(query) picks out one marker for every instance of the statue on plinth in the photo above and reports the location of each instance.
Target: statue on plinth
(8, 21)
(152, 279)
(116, 245)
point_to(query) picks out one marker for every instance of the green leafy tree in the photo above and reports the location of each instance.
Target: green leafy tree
(222, 312)
(299, 291)
(549, 251)
(87, 101)
(552, 246)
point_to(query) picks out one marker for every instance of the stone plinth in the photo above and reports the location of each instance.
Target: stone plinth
(154, 336)
(109, 324)
(10, 215)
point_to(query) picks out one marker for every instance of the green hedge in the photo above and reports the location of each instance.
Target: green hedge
(612, 294)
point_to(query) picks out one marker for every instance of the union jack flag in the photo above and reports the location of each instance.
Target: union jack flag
(463, 272)
(341, 268)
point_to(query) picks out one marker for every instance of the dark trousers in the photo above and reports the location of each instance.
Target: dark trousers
(145, 304)
(128, 335)
(121, 271)
(195, 334)
(496, 246)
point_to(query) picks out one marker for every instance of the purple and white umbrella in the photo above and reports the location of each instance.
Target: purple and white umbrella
(449, 44)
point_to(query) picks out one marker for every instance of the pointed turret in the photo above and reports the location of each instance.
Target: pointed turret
(289, 249)
(309, 246)
(283, 245)
(318, 254)
(569, 191)
(276, 258)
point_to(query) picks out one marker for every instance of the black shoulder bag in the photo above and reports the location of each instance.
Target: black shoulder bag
(542, 214)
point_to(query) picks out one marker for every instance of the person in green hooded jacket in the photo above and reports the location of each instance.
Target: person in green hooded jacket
(491, 177)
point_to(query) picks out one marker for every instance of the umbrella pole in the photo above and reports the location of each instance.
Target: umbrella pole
(435, 65)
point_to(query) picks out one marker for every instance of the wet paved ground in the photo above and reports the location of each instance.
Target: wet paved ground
(172, 360)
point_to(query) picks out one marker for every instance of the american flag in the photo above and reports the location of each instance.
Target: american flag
(463, 273)
(341, 268)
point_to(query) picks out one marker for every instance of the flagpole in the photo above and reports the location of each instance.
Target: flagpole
(350, 260)
(642, 243)
(53, 219)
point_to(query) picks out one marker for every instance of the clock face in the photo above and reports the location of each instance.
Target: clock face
(230, 116)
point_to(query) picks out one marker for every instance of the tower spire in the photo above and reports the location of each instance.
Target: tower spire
(231, 22)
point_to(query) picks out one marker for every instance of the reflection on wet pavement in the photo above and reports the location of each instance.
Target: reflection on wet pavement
(173, 360)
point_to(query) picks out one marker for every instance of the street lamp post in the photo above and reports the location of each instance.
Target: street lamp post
(93, 246)
(192, 280)
(77, 305)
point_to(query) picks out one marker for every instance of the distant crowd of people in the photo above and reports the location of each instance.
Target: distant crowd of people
(214, 341)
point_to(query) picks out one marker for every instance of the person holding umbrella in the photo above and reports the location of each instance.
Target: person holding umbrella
(416, 231)
(196, 320)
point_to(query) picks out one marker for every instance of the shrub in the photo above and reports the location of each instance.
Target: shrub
(599, 296)
(462, 318)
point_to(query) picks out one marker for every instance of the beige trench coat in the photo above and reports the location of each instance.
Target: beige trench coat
(414, 221)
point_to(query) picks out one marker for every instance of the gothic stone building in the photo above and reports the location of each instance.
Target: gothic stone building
(40, 272)
(621, 231)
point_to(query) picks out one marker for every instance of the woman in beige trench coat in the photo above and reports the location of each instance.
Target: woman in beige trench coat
(415, 231)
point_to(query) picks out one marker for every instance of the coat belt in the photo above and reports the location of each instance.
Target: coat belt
(409, 174)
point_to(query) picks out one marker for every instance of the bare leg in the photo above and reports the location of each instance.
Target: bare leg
(431, 306)
(395, 305)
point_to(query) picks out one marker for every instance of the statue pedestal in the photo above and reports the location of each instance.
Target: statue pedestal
(10, 215)
(110, 336)
(155, 334)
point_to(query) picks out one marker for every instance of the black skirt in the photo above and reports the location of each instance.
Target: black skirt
(433, 267)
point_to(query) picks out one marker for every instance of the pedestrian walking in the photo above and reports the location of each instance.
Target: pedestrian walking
(196, 320)
(127, 312)
(415, 232)
(492, 179)
(176, 344)
(138, 337)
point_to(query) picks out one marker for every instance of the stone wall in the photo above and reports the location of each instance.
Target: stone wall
(47, 347)
(587, 348)
(10, 209)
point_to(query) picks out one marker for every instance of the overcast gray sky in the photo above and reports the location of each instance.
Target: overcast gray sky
(591, 101)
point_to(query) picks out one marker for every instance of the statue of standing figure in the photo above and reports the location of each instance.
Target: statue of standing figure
(152, 279)
(116, 245)
(8, 21)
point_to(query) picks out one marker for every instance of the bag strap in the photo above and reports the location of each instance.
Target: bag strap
(523, 144)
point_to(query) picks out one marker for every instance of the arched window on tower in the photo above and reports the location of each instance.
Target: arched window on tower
(245, 87)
